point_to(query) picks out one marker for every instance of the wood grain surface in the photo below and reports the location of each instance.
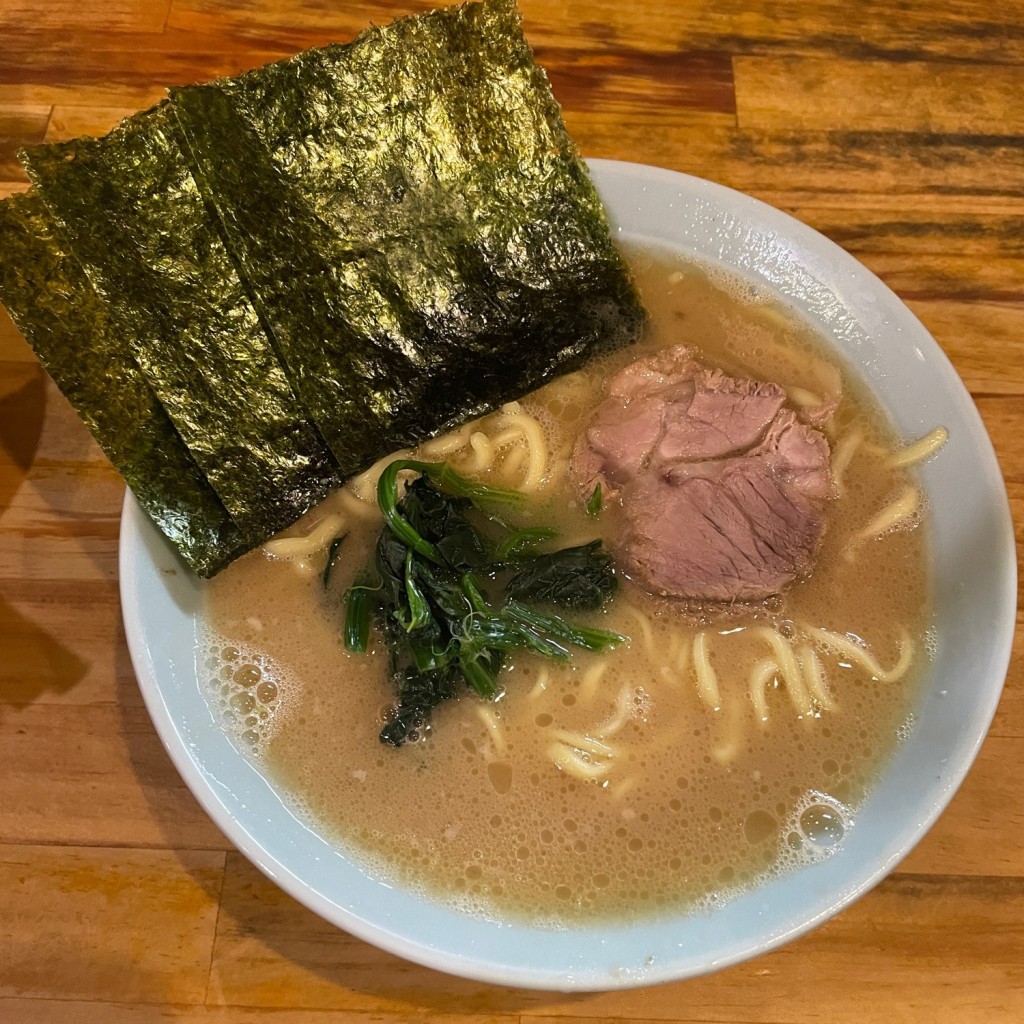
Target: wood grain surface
(896, 127)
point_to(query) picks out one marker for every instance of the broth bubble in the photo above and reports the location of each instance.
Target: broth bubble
(247, 675)
(822, 825)
(759, 826)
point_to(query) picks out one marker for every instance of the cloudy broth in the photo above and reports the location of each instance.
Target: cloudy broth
(690, 804)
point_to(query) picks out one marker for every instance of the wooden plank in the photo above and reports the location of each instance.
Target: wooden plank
(77, 497)
(646, 84)
(636, 80)
(90, 555)
(747, 159)
(295, 27)
(21, 124)
(111, 15)
(95, 776)
(63, 498)
(64, 644)
(54, 453)
(46, 1011)
(62, 436)
(70, 121)
(949, 276)
(957, 29)
(102, 93)
(938, 947)
(22, 398)
(107, 924)
(1004, 420)
(919, 225)
(38, 667)
(13, 347)
(994, 365)
(138, 60)
(797, 93)
(890, 163)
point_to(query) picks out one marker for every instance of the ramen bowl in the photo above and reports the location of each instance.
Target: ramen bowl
(972, 570)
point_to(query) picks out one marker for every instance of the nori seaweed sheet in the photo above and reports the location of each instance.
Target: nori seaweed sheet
(66, 323)
(350, 380)
(134, 218)
(415, 224)
(289, 274)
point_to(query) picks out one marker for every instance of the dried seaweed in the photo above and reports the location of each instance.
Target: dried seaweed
(317, 263)
(351, 381)
(417, 228)
(66, 323)
(130, 210)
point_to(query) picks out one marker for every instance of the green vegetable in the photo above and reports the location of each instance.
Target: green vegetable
(442, 629)
(448, 483)
(580, 577)
(420, 692)
(358, 612)
(594, 502)
(522, 542)
(561, 631)
(332, 557)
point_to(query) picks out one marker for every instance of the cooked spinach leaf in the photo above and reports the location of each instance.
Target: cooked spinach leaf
(441, 518)
(418, 694)
(580, 577)
(332, 557)
(442, 629)
(359, 607)
(447, 481)
(523, 542)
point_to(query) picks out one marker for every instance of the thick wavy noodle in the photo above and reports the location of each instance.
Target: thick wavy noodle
(717, 748)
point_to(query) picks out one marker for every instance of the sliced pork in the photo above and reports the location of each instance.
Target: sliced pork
(723, 487)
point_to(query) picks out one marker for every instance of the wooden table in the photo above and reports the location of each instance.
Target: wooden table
(896, 127)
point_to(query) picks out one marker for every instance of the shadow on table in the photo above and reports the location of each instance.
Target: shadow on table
(22, 409)
(33, 661)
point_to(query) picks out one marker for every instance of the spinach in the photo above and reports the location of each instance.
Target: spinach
(419, 693)
(442, 518)
(332, 557)
(358, 611)
(580, 577)
(442, 629)
(520, 542)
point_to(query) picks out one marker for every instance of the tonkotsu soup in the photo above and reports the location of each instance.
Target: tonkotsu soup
(716, 748)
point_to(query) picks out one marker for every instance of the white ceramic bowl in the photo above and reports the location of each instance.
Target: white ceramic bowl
(974, 577)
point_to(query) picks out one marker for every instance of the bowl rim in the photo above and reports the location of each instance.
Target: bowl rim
(135, 560)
